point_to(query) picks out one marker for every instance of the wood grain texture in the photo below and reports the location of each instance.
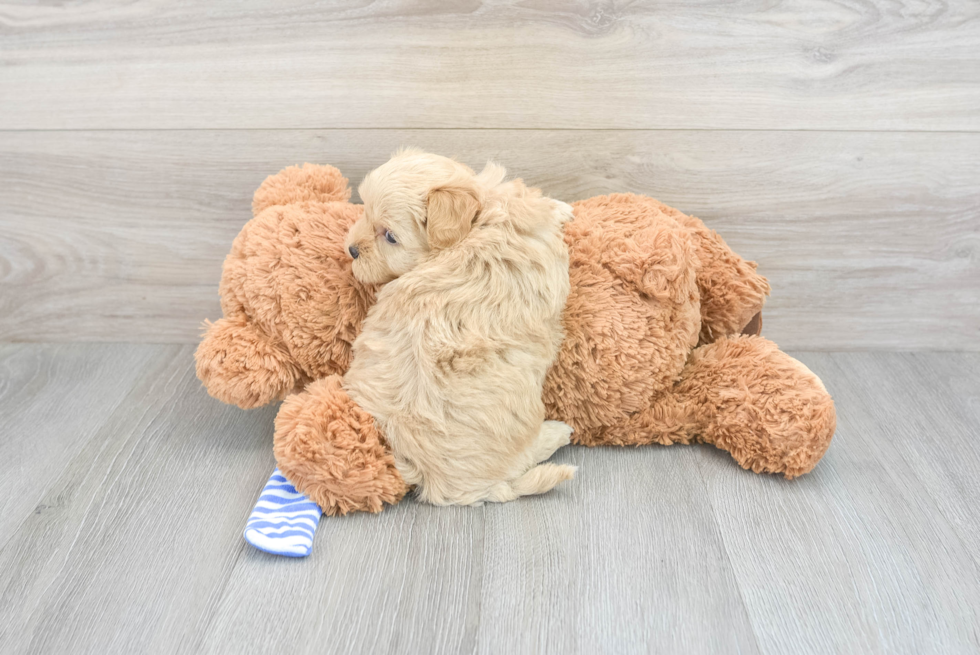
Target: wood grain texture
(138, 545)
(550, 575)
(134, 540)
(625, 559)
(875, 551)
(407, 580)
(53, 401)
(869, 240)
(812, 64)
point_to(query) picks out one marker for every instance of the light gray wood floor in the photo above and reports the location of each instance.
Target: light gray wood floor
(124, 489)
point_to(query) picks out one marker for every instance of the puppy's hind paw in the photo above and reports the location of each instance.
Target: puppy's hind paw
(558, 432)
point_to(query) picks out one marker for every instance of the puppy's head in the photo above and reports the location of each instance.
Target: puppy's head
(414, 204)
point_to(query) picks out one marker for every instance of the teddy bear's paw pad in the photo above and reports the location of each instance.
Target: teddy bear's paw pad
(284, 520)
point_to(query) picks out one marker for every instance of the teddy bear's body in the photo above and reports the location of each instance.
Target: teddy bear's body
(653, 350)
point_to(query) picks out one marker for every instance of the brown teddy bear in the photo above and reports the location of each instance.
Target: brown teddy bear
(660, 344)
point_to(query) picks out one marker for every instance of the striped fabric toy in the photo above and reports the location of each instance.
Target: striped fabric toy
(283, 521)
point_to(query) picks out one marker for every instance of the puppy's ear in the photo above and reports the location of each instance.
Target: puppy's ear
(450, 213)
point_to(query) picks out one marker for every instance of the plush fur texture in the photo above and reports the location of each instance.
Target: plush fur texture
(347, 467)
(292, 307)
(646, 281)
(452, 357)
(652, 350)
(743, 395)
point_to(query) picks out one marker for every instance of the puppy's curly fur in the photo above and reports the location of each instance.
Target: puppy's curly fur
(452, 357)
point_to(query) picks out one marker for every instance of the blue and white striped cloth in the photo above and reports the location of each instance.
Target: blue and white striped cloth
(284, 520)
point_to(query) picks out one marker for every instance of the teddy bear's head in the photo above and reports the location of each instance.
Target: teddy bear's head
(292, 307)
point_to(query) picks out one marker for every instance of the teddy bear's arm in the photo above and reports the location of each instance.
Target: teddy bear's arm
(241, 365)
(331, 450)
(238, 360)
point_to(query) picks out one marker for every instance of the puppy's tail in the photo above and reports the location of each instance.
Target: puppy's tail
(541, 478)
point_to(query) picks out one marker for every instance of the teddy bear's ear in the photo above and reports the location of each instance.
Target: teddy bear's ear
(306, 183)
(450, 211)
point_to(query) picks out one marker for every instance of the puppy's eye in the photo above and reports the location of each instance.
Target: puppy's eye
(389, 237)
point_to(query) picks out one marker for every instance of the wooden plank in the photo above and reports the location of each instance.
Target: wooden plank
(620, 560)
(938, 440)
(138, 534)
(869, 240)
(713, 64)
(627, 558)
(53, 401)
(858, 556)
(407, 580)
(138, 545)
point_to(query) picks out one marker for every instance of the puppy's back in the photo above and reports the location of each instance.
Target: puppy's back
(453, 356)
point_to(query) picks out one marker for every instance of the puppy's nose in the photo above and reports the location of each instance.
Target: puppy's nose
(354, 252)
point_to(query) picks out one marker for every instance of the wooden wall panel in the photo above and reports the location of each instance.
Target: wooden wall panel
(718, 64)
(870, 240)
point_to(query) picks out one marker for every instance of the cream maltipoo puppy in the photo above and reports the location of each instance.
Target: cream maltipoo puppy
(452, 357)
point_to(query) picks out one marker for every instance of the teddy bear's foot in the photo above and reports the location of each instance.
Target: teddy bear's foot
(243, 367)
(330, 449)
(758, 403)
(743, 395)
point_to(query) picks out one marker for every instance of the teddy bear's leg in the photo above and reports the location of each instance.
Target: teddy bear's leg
(743, 395)
(330, 449)
(242, 366)
(732, 292)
